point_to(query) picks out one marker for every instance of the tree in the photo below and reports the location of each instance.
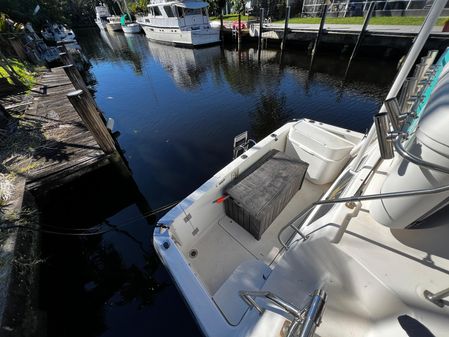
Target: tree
(138, 6)
(71, 12)
(216, 6)
(238, 6)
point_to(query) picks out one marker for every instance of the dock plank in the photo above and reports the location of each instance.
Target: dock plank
(67, 147)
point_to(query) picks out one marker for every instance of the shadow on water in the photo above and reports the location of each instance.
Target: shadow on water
(177, 111)
(110, 284)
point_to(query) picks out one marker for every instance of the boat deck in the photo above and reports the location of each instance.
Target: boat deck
(225, 245)
(374, 276)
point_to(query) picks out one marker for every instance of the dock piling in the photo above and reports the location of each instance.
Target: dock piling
(319, 34)
(239, 38)
(66, 59)
(89, 114)
(361, 35)
(75, 77)
(284, 37)
(221, 26)
(259, 37)
(77, 80)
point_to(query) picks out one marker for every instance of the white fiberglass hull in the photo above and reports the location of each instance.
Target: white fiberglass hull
(175, 36)
(131, 28)
(210, 282)
(101, 24)
(114, 27)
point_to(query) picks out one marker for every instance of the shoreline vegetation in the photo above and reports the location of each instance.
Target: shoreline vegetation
(16, 80)
(355, 20)
(12, 69)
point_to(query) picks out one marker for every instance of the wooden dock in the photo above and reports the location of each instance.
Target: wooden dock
(64, 147)
(376, 36)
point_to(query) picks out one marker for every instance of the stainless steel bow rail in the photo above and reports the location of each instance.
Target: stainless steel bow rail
(304, 321)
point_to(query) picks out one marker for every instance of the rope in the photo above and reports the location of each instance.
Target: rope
(88, 231)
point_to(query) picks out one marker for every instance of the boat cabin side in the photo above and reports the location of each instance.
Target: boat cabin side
(190, 15)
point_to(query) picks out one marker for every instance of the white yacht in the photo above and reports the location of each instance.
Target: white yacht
(179, 23)
(322, 231)
(101, 16)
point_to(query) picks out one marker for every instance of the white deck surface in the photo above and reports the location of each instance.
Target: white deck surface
(374, 277)
(226, 246)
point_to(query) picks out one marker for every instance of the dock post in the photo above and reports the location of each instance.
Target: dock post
(259, 38)
(261, 18)
(75, 77)
(318, 36)
(239, 39)
(89, 114)
(284, 37)
(361, 35)
(221, 26)
(65, 58)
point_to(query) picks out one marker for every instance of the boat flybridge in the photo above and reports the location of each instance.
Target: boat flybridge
(322, 231)
(184, 23)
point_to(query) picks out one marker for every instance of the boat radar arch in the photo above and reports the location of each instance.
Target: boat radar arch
(430, 143)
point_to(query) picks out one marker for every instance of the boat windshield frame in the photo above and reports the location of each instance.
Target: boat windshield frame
(187, 4)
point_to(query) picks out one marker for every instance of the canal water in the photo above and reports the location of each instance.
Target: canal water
(177, 111)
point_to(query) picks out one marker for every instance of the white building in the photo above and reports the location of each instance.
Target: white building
(357, 7)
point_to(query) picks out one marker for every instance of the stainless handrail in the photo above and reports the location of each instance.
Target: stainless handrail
(247, 296)
(390, 195)
(437, 298)
(415, 160)
(314, 313)
(306, 320)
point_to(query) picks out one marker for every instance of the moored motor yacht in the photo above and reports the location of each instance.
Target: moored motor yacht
(183, 23)
(322, 231)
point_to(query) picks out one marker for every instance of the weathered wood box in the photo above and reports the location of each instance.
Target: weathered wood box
(259, 194)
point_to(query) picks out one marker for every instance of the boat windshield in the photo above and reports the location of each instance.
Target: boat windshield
(192, 5)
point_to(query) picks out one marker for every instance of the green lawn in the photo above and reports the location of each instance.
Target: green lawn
(232, 17)
(358, 20)
(377, 20)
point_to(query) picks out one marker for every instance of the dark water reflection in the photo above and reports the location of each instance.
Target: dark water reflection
(177, 111)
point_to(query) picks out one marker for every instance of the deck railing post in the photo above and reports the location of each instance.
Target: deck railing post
(89, 114)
